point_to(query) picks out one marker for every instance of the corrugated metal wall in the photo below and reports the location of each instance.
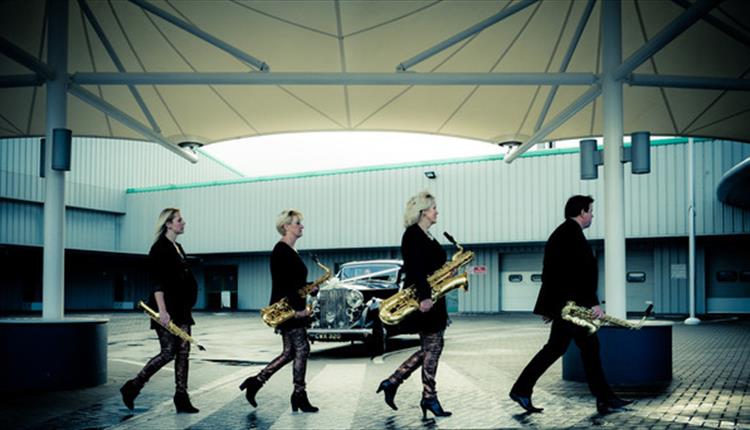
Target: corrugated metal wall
(480, 202)
(101, 171)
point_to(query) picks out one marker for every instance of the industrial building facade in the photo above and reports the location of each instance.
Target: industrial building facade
(503, 212)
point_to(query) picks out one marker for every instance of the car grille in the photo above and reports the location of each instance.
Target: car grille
(332, 305)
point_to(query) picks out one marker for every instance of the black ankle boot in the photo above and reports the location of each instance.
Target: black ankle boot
(129, 392)
(252, 384)
(182, 403)
(433, 405)
(390, 389)
(300, 401)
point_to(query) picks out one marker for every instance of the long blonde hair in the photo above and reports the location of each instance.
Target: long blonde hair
(415, 205)
(166, 216)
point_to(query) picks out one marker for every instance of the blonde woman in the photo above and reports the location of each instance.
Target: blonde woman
(422, 256)
(288, 277)
(175, 294)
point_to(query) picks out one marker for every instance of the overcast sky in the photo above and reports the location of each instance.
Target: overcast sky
(305, 152)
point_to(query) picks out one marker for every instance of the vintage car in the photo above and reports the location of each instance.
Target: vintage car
(346, 307)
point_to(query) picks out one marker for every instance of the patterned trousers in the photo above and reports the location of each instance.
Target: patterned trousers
(297, 349)
(172, 348)
(427, 357)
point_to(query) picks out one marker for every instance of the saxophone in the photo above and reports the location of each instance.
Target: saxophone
(583, 317)
(396, 307)
(281, 311)
(171, 327)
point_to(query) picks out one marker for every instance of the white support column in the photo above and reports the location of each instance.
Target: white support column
(53, 294)
(692, 320)
(614, 188)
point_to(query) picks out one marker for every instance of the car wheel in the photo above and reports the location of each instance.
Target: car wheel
(377, 342)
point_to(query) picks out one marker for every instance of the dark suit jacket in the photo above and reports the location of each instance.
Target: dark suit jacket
(570, 271)
(422, 256)
(171, 274)
(288, 277)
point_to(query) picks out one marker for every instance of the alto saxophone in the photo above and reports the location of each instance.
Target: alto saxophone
(584, 317)
(171, 327)
(396, 307)
(281, 311)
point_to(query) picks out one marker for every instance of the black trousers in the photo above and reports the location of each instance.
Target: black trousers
(560, 335)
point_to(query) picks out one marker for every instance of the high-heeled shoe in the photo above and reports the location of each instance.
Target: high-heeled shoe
(129, 392)
(390, 389)
(182, 403)
(433, 405)
(252, 384)
(300, 401)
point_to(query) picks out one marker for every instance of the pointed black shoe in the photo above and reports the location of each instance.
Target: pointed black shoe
(525, 402)
(617, 403)
(183, 405)
(129, 392)
(252, 384)
(433, 405)
(300, 401)
(389, 388)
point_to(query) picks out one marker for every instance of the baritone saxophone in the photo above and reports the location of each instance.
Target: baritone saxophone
(584, 317)
(281, 311)
(396, 307)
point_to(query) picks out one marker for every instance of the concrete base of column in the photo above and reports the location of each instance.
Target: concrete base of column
(46, 355)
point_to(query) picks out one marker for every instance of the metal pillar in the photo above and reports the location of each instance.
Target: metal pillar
(692, 320)
(614, 188)
(53, 294)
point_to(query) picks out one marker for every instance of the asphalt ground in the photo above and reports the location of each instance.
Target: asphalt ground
(482, 357)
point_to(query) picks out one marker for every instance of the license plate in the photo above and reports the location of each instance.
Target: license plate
(328, 336)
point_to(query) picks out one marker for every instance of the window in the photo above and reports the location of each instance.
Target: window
(536, 277)
(516, 277)
(745, 276)
(726, 276)
(636, 277)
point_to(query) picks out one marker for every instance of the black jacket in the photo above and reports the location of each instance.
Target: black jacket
(288, 277)
(570, 271)
(422, 256)
(171, 274)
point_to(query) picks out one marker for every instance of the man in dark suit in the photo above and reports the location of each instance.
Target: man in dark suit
(570, 273)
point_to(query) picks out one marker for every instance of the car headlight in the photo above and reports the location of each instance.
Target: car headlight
(354, 299)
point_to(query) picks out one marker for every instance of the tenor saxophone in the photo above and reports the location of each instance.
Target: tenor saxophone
(281, 311)
(396, 307)
(171, 327)
(584, 317)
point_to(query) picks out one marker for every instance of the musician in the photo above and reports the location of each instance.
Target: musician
(288, 277)
(422, 256)
(570, 272)
(175, 294)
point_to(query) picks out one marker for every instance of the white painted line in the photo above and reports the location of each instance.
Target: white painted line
(336, 390)
(209, 398)
(139, 364)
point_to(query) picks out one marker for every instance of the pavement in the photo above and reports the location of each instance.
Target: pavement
(482, 357)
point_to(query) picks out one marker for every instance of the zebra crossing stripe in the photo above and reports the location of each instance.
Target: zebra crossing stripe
(209, 398)
(336, 390)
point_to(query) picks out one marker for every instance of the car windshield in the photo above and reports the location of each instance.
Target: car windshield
(381, 272)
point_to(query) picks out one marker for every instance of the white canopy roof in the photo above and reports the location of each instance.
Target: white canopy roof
(215, 70)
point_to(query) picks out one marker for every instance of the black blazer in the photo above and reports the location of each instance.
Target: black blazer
(570, 271)
(171, 274)
(422, 256)
(288, 276)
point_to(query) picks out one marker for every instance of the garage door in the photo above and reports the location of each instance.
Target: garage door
(728, 278)
(640, 280)
(520, 280)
